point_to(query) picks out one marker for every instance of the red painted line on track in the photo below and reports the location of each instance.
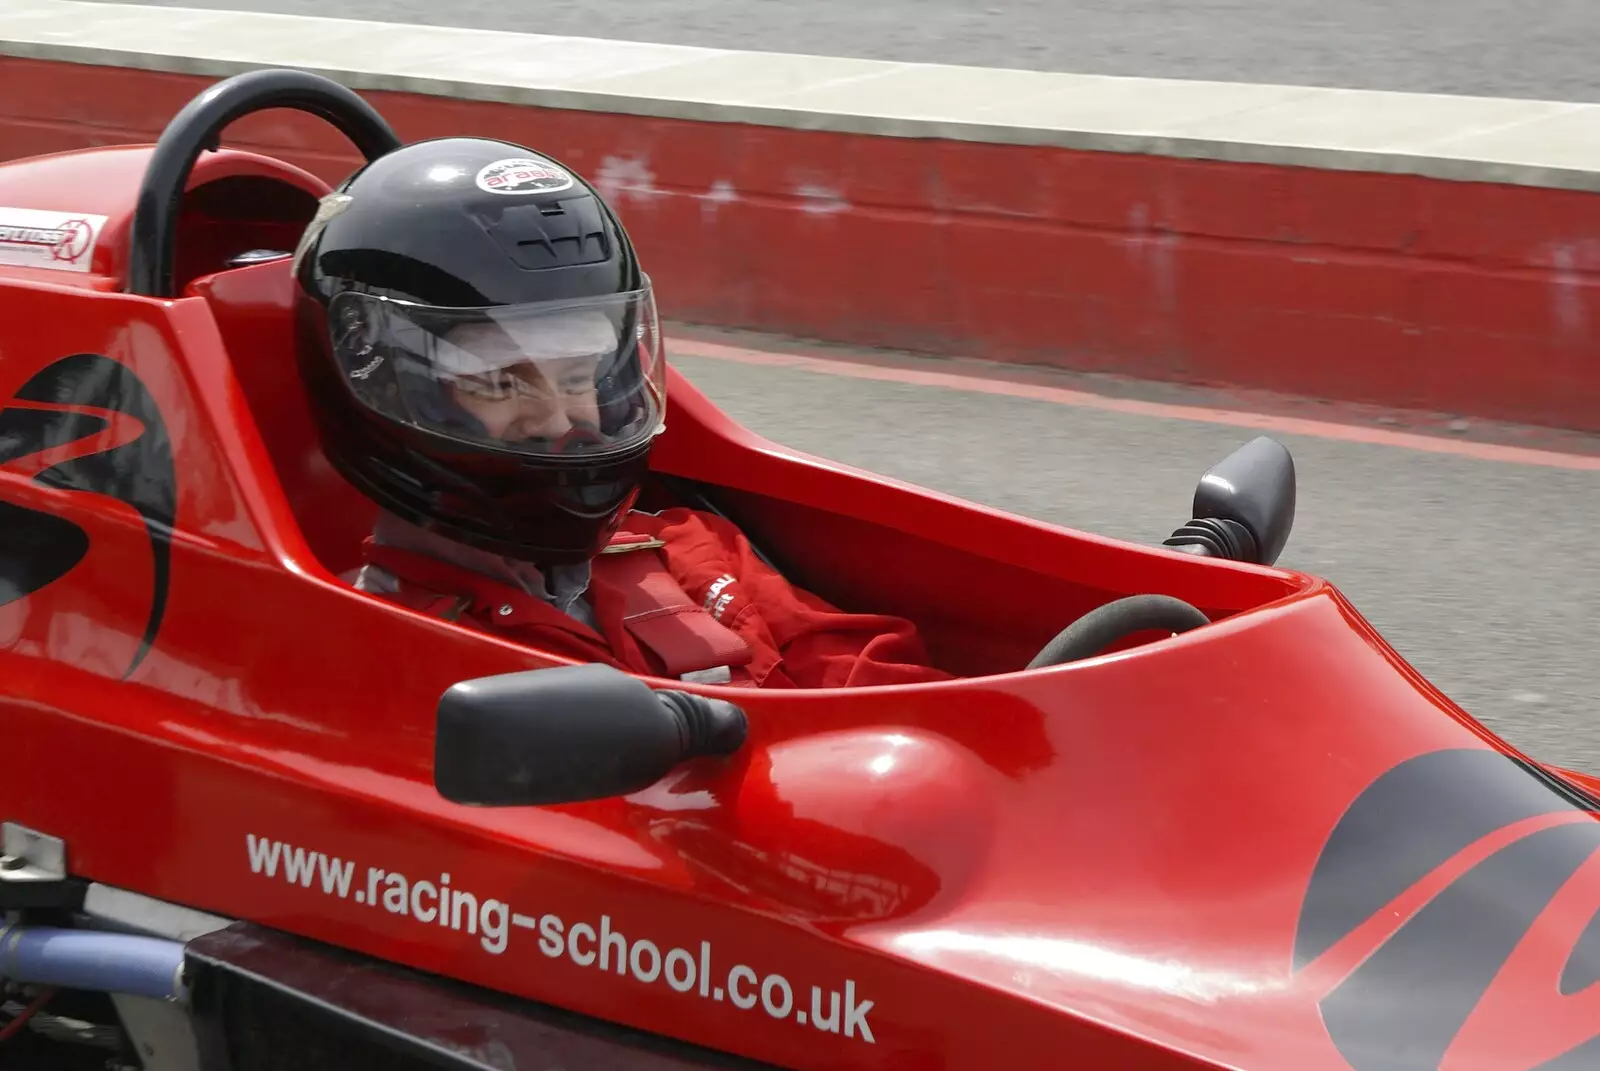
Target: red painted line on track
(1288, 425)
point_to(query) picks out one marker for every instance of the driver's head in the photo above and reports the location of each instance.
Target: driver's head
(480, 347)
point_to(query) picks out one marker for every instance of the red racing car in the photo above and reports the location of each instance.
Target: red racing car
(1180, 808)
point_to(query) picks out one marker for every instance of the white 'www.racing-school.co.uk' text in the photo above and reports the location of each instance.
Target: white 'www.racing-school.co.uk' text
(588, 944)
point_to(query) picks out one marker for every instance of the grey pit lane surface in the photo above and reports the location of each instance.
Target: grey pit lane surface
(1485, 575)
(1501, 48)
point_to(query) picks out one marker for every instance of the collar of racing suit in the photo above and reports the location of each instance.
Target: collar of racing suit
(690, 643)
(565, 588)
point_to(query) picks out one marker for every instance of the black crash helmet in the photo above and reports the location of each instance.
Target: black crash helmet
(480, 348)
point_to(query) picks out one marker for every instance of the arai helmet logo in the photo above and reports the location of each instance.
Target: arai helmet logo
(523, 176)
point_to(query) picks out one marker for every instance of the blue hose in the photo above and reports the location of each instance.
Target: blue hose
(95, 960)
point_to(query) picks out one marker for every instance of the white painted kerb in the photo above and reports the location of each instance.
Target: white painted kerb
(1537, 143)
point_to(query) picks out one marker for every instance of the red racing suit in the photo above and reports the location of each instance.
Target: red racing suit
(674, 594)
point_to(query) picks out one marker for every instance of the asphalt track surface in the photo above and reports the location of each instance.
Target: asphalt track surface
(1480, 565)
(1501, 48)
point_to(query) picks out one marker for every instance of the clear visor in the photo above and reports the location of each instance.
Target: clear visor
(556, 378)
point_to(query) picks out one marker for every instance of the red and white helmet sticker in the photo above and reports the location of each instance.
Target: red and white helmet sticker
(58, 241)
(523, 175)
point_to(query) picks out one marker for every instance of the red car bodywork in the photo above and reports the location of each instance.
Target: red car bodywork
(1267, 843)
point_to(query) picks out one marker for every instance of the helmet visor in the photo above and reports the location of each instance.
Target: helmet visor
(546, 379)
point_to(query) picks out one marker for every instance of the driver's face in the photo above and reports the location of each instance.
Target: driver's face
(525, 400)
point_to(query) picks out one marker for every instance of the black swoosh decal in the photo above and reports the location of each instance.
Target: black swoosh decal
(36, 550)
(1583, 966)
(1409, 821)
(1441, 963)
(28, 431)
(140, 472)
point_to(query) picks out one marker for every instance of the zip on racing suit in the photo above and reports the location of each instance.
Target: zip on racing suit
(482, 358)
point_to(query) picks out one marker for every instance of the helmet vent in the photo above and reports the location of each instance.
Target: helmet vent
(536, 237)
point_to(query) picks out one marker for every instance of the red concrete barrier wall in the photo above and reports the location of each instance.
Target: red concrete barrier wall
(1460, 297)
